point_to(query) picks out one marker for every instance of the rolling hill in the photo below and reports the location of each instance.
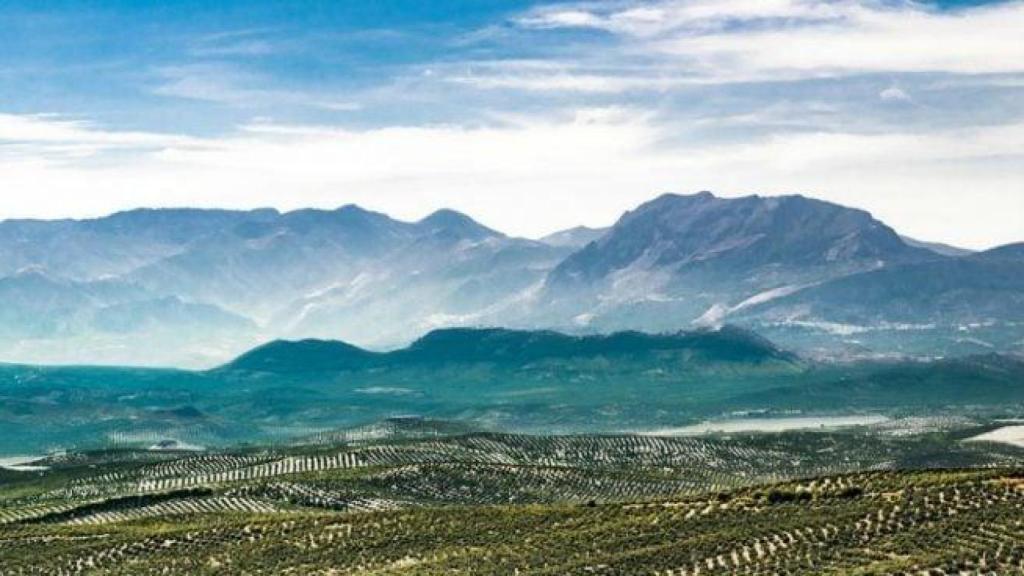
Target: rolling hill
(515, 380)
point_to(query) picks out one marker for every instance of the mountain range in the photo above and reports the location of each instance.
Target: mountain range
(193, 288)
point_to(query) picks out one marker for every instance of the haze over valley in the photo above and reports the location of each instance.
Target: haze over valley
(194, 288)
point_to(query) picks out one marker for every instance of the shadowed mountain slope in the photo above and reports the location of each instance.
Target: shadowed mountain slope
(510, 348)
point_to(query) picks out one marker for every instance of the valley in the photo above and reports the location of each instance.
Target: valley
(512, 288)
(496, 451)
(754, 385)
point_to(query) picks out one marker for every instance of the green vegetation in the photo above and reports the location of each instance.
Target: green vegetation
(420, 497)
(497, 380)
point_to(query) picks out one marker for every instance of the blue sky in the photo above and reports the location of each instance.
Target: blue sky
(530, 116)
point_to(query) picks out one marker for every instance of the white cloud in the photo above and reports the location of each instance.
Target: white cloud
(544, 76)
(894, 94)
(211, 82)
(339, 105)
(51, 138)
(564, 18)
(527, 175)
(743, 40)
(657, 18)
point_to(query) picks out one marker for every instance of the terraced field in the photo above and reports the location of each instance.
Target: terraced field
(857, 502)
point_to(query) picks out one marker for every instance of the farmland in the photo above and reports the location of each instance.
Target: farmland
(413, 496)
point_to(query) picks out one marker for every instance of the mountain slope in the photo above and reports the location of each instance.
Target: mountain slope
(510, 348)
(678, 260)
(937, 247)
(447, 276)
(309, 355)
(954, 305)
(346, 273)
(195, 287)
(577, 237)
(972, 288)
(705, 232)
(984, 380)
(86, 250)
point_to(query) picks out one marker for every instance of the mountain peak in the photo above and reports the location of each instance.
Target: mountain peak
(310, 355)
(352, 209)
(576, 237)
(446, 216)
(452, 223)
(149, 217)
(678, 232)
(675, 198)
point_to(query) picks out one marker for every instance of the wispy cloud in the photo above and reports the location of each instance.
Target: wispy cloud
(211, 82)
(224, 83)
(250, 47)
(561, 76)
(895, 94)
(649, 19)
(246, 42)
(744, 40)
(48, 137)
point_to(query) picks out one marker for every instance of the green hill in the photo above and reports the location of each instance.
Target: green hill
(302, 356)
(508, 380)
(511, 348)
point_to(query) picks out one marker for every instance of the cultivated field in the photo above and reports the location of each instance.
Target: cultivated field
(404, 501)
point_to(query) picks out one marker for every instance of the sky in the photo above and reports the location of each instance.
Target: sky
(529, 116)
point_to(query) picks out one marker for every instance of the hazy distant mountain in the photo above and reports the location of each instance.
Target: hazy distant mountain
(225, 280)
(937, 247)
(112, 246)
(968, 289)
(680, 259)
(449, 225)
(821, 277)
(194, 287)
(705, 233)
(968, 304)
(168, 313)
(577, 237)
(1007, 253)
(450, 271)
(35, 305)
